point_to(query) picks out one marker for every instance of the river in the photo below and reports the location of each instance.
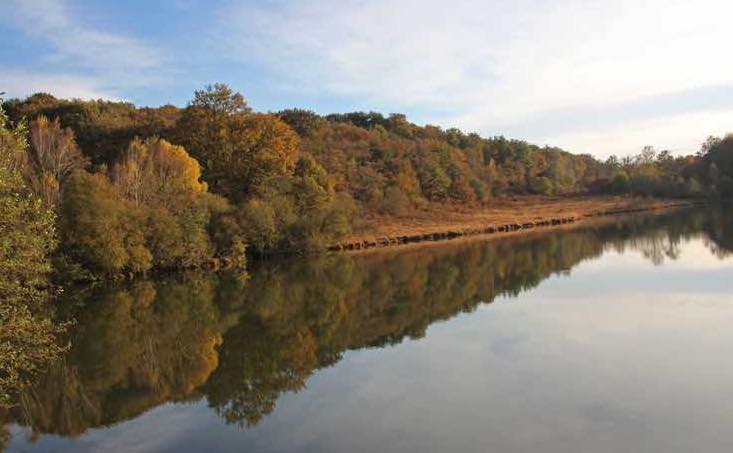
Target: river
(608, 336)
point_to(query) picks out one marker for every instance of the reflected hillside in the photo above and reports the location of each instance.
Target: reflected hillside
(241, 343)
(132, 347)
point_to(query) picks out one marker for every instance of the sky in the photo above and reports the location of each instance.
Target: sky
(592, 76)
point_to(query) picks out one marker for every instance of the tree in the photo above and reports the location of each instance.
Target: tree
(693, 188)
(156, 172)
(27, 234)
(406, 180)
(219, 99)
(434, 182)
(720, 153)
(301, 213)
(398, 124)
(51, 157)
(304, 122)
(266, 148)
(163, 183)
(53, 149)
(541, 185)
(261, 224)
(238, 150)
(395, 201)
(621, 183)
(27, 238)
(647, 155)
(713, 174)
(100, 229)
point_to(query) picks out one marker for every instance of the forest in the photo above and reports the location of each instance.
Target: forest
(102, 189)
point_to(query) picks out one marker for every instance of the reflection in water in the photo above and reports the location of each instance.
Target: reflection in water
(242, 343)
(133, 348)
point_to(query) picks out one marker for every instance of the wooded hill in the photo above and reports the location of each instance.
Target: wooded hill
(135, 188)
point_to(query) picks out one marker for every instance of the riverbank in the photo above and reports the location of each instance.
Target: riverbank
(503, 216)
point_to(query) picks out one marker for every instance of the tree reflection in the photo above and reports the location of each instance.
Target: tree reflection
(133, 347)
(243, 343)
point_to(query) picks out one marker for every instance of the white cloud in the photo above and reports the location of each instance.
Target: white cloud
(489, 66)
(93, 61)
(21, 83)
(680, 134)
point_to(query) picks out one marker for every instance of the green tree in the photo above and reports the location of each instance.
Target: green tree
(541, 185)
(100, 229)
(27, 238)
(621, 183)
(434, 182)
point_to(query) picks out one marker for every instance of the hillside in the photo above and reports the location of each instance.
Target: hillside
(135, 188)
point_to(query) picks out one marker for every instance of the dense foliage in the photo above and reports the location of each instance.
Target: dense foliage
(143, 188)
(27, 238)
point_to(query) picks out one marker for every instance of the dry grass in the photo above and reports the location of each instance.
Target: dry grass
(446, 217)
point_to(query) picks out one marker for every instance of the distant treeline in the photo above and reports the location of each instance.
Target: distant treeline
(136, 188)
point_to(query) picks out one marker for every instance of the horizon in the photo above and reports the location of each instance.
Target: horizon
(604, 79)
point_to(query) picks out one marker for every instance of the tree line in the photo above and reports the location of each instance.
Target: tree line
(132, 189)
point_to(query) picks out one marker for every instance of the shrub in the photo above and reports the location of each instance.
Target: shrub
(541, 185)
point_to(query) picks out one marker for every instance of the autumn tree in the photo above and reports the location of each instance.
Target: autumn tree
(302, 213)
(218, 99)
(267, 148)
(304, 122)
(239, 150)
(51, 157)
(154, 171)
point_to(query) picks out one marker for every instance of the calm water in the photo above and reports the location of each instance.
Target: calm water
(605, 338)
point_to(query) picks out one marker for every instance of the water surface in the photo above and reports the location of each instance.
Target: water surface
(604, 338)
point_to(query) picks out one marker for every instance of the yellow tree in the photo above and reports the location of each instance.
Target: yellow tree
(156, 172)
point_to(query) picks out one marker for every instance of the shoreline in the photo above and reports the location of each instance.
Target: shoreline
(560, 214)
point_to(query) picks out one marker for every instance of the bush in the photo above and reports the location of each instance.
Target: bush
(395, 202)
(541, 185)
(621, 184)
(480, 189)
(434, 182)
(260, 225)
(100, 229)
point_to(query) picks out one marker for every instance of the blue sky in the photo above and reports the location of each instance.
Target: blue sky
(592, 76)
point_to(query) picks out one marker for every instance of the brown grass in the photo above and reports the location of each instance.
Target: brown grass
(439, 218)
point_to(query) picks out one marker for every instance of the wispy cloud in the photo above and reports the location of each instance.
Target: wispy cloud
(561, 72)
(493, 66)
(20, 83)
(84, 60)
